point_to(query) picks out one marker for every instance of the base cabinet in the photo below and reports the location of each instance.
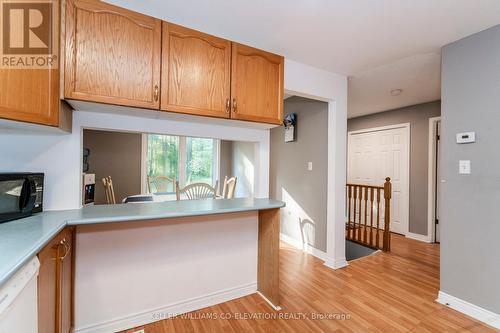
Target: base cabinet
(55, 284)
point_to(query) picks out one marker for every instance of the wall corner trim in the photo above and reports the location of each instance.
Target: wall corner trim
(336, 264)
(147, 317)
(469, 309)
(419, 237)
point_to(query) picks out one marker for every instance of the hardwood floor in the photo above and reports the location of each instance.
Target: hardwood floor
(385, 292)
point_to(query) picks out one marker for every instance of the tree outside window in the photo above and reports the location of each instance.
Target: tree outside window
(188, 160)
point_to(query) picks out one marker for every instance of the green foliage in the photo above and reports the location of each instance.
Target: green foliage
(163, 158)
(163, 155)
(199, 160)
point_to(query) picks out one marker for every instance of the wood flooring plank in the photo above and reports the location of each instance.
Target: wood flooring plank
(384, 292)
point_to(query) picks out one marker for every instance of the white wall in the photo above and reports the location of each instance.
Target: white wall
(244, 167)
(59, 155)
(129, 274)
(306, 81)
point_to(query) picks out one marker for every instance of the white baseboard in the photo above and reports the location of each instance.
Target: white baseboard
(304, 247)
(167, 311)
(329, 262)
(471, 310)
(421, 238)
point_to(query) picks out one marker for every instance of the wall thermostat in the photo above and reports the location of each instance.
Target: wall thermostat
(466, 137)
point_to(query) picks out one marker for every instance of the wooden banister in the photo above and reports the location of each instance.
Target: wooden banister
(364, 216)
(387, 217)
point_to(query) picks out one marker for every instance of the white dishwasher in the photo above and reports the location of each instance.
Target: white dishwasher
(18, 301)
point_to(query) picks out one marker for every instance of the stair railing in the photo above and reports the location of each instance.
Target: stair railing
(369, 214)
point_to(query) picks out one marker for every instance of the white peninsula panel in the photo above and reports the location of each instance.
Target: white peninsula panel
(131, 273)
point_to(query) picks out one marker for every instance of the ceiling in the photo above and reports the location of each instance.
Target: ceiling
(418, 76)
(381, 45)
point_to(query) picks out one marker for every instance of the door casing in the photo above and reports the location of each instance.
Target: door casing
(432, 181)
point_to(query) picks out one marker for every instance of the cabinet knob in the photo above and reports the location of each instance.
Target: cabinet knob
(155, 93)
(228, 105)
(234, 105)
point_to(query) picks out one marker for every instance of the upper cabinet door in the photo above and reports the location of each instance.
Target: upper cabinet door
(196, 71)
(256, 85)
(30, 92)
(112, 55)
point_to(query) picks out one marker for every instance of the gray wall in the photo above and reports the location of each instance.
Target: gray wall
(304, 191)
(418, 117)
(117, 155)
(470, 246)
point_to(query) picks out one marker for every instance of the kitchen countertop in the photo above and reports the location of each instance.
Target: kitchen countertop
(22, 239)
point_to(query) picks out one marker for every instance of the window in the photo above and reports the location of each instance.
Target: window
(199, 160)
(188, 160)
(162, 156)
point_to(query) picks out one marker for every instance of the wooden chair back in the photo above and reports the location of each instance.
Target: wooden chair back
(196, 191)
(160, 184)
(109, 190)
(229, 187)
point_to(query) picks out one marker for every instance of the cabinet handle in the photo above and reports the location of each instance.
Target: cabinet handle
(228, 105)
(56, 247)
(155, 93)
(66, 249)
(234, 105)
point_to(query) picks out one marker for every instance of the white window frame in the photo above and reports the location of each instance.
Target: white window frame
(181, 167)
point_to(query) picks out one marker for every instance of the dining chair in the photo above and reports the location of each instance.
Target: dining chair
(196, 191)
(109, 190)
(229, 187)
(160, 184)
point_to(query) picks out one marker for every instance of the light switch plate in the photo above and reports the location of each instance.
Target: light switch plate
(464, 167)
(309, 166)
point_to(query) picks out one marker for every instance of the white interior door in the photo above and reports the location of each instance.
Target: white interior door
(376, 154)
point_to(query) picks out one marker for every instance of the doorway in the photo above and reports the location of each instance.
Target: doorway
(434, 182)
(377, 153)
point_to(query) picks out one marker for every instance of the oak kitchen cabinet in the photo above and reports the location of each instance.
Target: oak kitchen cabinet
(116, 56)
(55, 284)
(196, 72)
(112, 55)
(30, 92)
(30, 95)
(257, 85)
(210, 76)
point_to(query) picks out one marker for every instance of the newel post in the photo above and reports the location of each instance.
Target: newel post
(387, 217)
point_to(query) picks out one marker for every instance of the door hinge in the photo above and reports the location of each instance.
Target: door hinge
(437, 221)
(438, 137)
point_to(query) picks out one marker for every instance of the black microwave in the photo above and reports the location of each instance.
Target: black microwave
(21, 194)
